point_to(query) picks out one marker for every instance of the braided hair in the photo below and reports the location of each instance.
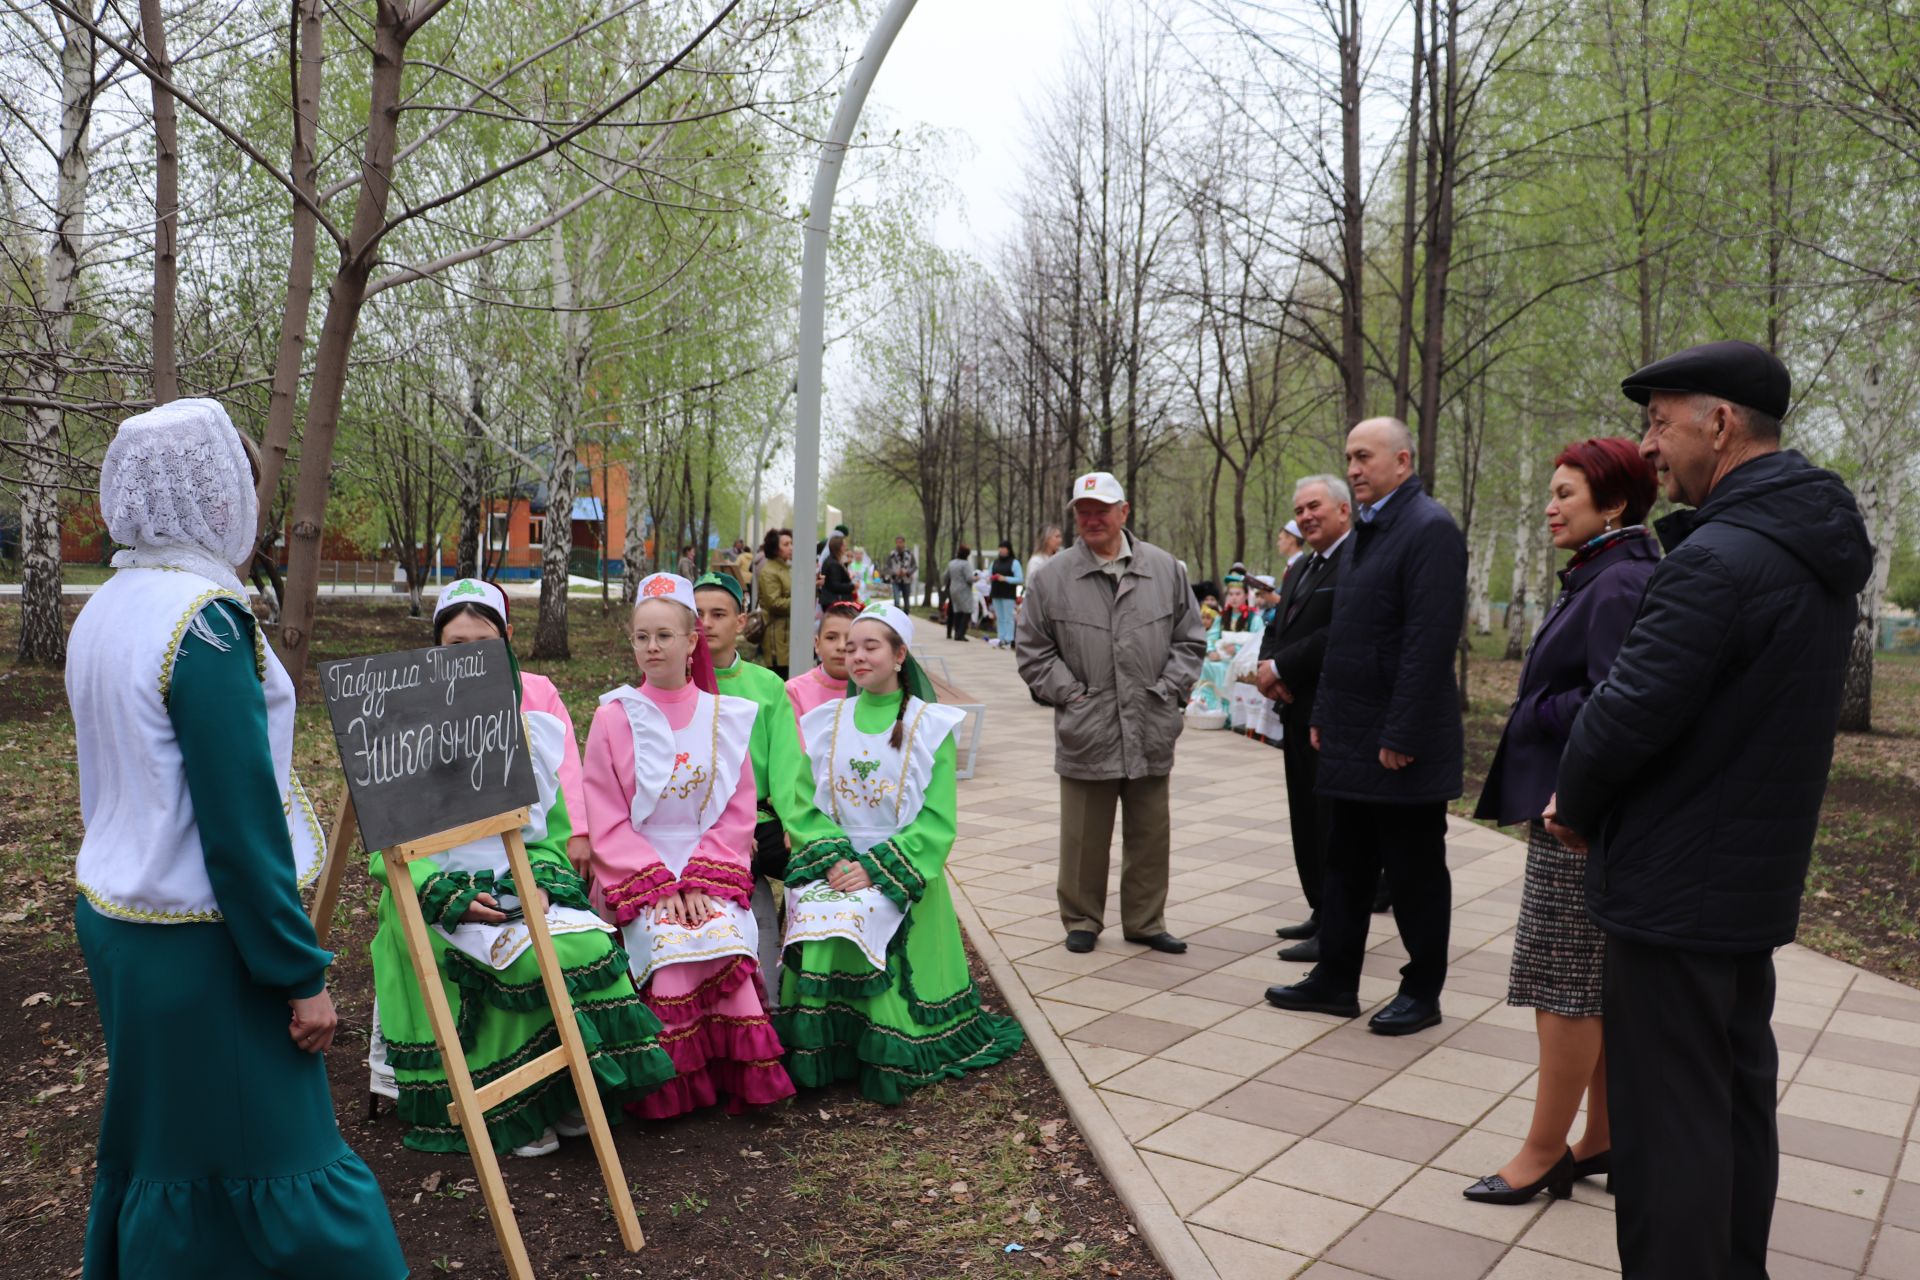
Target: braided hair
(900, 716)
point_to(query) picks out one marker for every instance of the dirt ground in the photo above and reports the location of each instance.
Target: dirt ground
(826, 1186)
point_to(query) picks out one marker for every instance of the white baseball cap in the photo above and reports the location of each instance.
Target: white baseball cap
(1098, 485)
(892, 617)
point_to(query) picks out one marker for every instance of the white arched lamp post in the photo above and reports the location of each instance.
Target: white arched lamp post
(813, 314)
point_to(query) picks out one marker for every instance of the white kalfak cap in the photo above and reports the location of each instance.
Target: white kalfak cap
(1101, 486)
(667, 586)
(472, 591)
(893, 617)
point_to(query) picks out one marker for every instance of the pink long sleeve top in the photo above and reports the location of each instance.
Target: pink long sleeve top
(629, 875)
(537, 693)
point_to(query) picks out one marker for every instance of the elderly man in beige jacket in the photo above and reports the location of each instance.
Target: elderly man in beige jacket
(1110, 638)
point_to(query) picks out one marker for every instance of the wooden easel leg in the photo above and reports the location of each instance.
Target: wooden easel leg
(473, 1120)
(584, 1086)
(326, 893)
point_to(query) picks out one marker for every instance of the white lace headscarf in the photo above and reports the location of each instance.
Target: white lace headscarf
(176, 487)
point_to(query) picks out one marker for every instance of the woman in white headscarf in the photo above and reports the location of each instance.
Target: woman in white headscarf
(219, 1154)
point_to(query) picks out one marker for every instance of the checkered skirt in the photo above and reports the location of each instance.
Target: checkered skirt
(1557, 949)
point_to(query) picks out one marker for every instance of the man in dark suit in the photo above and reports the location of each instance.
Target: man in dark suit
(1291, 651)
(1387, 723)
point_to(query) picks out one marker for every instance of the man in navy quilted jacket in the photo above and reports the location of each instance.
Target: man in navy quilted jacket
(1695, 773)
(1387, 726)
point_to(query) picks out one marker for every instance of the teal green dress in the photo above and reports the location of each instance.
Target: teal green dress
(918, 1020)
(219, 1154)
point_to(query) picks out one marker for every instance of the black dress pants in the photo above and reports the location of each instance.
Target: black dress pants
(1691, 1070)
(1306, 812)
(1408, 842)
(956, 622)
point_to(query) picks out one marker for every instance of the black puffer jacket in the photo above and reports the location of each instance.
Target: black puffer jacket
(1388, 679)
(1698, 765)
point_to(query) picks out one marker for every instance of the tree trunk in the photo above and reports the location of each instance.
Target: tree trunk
(1442, 91)
(166, 206)
(1520, 595)
(344, 300)
(43, 636)
(1878, 496)
(1409, 234)
(576, 355)
(472, 492)
(634, 548)
(1479, 575)
(283, 402)
(1353, 353)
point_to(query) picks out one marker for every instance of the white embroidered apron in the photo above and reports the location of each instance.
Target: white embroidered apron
(706, 760)
(872, 789)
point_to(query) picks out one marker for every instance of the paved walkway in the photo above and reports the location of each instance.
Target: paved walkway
(1255, 1145)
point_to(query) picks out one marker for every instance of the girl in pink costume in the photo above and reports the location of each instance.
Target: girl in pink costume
(670, 805)
(828, 681)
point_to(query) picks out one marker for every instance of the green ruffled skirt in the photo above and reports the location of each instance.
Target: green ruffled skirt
(894, 1030)
(219, 1153)
(504, 1023)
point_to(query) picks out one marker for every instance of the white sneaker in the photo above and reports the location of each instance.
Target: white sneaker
(571, 1125)
(545, 1145)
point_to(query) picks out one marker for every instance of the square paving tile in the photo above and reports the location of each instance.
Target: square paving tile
(1435, 1099)
(1870, 1082)
(1271, 1026)
(1173, 1082)
(1477, 1153)
(1496, 1041)
(1810, 1102)
(1283, 1217)
(1903, 1206)
(1358, 1177)
(1228, 988)
(1896, 1255)
(1288, 1110)
(1388, 1133)
(1334, 1077)
(1097, 993)
(1837, 1239)
(1839, 1144)
(1131, 1032)
(1097, 1062)
(1237, 1259)
(1221, 1052)
(1188, 1185)
(1396, 1248)
(1861, 1051)
(1357, 1044)
(1138, 1117)
(1149, 975)
(1525, 1264)
(1065, 1018)
(1219, 1141)
(1475, 1070)
(1831, 1186)
(1433, 1196)
(1784, 1266)
(1568, 1229)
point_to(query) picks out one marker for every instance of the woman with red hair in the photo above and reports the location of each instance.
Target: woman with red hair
(671, 809)
(1601, 493)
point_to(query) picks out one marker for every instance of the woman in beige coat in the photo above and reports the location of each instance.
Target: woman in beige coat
(776, 600)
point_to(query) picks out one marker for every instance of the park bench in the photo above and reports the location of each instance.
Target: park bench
(952, 695)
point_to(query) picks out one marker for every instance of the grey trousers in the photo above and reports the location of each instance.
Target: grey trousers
(767, 920)
(1086, 849)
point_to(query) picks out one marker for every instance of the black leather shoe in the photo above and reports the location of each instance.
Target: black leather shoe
(1294, 932)
(1595, 1167)
(1162, 942)
(1307, 952)
(1081, 941)
(1382, 899)
(1493, 1188)
(1404, 1015)
(1308, 997)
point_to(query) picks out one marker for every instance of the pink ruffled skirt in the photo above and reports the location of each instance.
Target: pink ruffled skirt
(716, 1029)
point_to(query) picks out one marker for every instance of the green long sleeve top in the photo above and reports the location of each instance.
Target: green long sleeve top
(906, 862)
(219, 714)
(776, 732)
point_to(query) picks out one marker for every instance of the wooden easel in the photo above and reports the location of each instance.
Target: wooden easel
(469, 1105)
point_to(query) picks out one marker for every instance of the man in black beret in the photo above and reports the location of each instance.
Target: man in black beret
(1695, 772)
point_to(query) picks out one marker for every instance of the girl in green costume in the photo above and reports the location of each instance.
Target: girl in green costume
(485, 959)
(876, 987)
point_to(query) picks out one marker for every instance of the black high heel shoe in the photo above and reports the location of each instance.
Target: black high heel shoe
(1494, 1189)
(1595, 1167)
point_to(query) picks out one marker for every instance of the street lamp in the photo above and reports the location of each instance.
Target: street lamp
(813, 292)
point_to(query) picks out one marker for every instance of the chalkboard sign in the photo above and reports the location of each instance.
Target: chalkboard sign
(429, 739)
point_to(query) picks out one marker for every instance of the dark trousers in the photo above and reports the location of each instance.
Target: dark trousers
(1691, 1068)
(957, 621)
(902, 595)
(1306, 812)
(1408, 842)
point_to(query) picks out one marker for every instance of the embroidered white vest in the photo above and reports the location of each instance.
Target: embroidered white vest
(868, 786)
(141, 858)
